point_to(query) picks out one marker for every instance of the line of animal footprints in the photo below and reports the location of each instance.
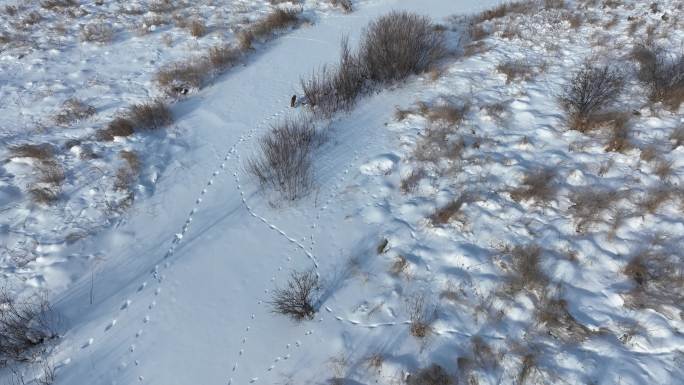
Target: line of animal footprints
(176, 240)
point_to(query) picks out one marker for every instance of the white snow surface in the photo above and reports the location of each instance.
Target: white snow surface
(180, 284)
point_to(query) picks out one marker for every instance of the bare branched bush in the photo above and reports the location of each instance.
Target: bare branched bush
(431, 375)
(73, 110)
(97, 32)
(119, 127)
(399, 44)
(421, 314)
(663, 73)
(516, 69)
(284, 162)
(151, 115)
(525, 268)
(346, 5)
(589, 204)
(538, 186)
(297, 299)
(25, 326)
(591, 90)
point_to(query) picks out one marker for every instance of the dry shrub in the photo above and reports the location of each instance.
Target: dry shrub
(421, 315)
(264, 29)
(36, 151)
(331, 90)
(73, 110)
(50, 173)
(589, 204)
(97, 32)
(197, 28)
(649, 153)
(346, 5)
(399, 44)
(151, 115)
(516, 69)
(31, 18)
(525, 268)
(431, 375)
(553, 314)
(284, 161)
(663, 168)
(11, 10)
(591, 90)
(163, 6)
(25, 326)
(178, 78)
(658, 279)
(477, 32)
(119, 127)
(410, 182)
(444, 214)
(504, 9)
(450, 114)
(663, 74)
(537, 185)
(618, 140)
(297, 299)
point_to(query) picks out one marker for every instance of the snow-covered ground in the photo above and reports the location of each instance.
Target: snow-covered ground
(177, 291)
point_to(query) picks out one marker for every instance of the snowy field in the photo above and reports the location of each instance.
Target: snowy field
(463, 227)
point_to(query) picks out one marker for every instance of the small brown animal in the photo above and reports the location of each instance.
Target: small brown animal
(293, 101)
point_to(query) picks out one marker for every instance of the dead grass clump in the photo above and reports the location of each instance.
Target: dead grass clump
(223, 56)
(431, 375)
(421, 315)
(25, 326)
(163, 6)
(591, 90)
(119, 127)
(537, 186)
(450, 114)
(658, 279)
(477, 32)
(197, 28)
(410, 182)
(179, 78)
(297, 299)
(73, 110)
(50, 173)
(263, 29)
(36, 151)
(663, 168)
(97, 32)
(57, 4)
(444, 214)
(526, 268)
(11, 10)
(437, 143)
(649, 153)
(151, 115)
(399, 44)
(656, 197)
(618, 140)
(516, 69)
(589, 204)
(284, 161)
(346, 5)
(663, 73)
(554, 315)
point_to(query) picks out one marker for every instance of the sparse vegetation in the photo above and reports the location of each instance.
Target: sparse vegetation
(296, 300)
(444, 214)
(151, 115)
(538, 186)
(119, 127)
(663, 73)
(659, 280)
(525, 268)
(421, 314)
(554, 315)
(263, 29)
(74, 110)
(97, 32)
(25, 326)
(589, 204)
(516, 69)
